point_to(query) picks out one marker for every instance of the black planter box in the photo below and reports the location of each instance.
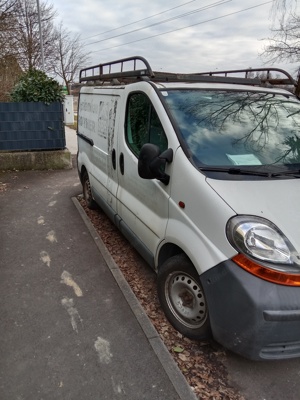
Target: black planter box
(31, 126)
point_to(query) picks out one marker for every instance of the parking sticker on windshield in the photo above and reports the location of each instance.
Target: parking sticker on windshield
(243, 159)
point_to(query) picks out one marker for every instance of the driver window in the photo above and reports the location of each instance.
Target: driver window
(143, 125)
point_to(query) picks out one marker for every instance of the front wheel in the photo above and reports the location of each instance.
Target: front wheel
(182, 298)
(87, 192)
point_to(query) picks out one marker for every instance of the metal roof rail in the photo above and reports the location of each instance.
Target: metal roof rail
(128, 70)
(265, 75)
(119, 69)
(198, 77)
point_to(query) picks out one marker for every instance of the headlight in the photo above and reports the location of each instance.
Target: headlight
(264, 242)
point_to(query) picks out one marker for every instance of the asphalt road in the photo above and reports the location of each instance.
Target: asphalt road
(265, 380)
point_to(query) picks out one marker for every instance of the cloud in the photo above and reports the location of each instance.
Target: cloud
(222, 36)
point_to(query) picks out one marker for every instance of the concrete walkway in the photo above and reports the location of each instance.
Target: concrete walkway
(71, 140)
(70, 326)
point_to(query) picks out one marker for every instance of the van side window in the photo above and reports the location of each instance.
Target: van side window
(143, 125)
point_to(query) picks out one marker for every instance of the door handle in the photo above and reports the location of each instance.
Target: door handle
(113, 158)
(121, 161)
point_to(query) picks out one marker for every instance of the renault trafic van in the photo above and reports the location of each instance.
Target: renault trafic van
(201, 173)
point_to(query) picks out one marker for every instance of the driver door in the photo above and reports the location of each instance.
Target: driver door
(142, 204)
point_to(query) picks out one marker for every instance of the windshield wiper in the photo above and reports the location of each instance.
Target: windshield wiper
(241, 171)
(236, 171)
(295, 172)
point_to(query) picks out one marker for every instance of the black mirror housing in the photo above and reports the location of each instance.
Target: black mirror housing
(152, 162)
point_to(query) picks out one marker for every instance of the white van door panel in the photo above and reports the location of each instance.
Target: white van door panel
(98, 171)
(142, 204)
(97, 121)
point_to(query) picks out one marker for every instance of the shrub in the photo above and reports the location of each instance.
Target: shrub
(35, 85)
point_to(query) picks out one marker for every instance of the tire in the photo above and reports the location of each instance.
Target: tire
(182, 298)
(87, 193)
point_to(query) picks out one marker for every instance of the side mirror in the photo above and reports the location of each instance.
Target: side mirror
(152, 163)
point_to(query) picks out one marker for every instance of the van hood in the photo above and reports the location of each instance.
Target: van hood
(275, 200)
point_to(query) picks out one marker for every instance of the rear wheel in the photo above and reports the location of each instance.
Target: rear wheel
(182, 298)
(87, 193)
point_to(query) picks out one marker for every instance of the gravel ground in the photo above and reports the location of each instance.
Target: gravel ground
(200, 362)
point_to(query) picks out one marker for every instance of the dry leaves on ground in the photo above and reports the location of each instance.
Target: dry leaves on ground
(3, 187)
(200, 363)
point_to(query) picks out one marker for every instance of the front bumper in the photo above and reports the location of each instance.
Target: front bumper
(250, 316)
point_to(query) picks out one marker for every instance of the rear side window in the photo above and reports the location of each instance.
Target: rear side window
(143, 124)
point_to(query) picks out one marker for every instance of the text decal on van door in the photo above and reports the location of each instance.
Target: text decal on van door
(97, 116)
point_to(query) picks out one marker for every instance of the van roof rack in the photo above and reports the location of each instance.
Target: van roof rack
(128, 70)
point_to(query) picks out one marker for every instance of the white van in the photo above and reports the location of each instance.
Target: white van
(201, 173)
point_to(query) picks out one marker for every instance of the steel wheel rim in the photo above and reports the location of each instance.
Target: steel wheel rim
(186, 300)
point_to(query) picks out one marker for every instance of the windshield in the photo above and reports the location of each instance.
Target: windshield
(231, 128)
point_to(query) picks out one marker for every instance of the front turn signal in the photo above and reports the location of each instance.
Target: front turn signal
(268, 274)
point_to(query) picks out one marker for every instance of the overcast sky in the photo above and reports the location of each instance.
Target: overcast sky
(174, 35)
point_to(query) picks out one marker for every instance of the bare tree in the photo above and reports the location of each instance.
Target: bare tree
(69, 56)
(284, 45)
(7, 20)
(10, 73)
(6, 9)
(10, 70)
(281, 9)
(27, 36)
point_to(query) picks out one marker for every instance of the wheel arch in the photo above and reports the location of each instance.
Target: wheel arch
(82, 171)
(167, 251)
